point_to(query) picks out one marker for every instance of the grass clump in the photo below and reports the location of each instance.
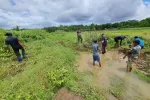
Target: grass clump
(142, 76)
(117, 87)
(48, 68)
(86, 89)
(50, 65)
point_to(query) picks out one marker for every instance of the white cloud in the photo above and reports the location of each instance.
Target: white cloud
(41, 13)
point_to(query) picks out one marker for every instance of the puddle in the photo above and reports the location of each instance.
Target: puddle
(114, 65)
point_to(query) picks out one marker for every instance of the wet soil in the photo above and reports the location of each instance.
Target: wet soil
(114, 66)
(64, 94)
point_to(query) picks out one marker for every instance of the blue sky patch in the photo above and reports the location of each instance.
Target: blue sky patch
(12, 2)
(146, 0)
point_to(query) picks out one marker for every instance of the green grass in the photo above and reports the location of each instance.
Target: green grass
(50, 64)
(117, 87)
(142, 76)
(143, 33)
(49, 67)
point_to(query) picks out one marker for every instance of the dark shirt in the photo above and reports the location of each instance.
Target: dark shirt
(119, 38)
(13, 42)
(104, 41)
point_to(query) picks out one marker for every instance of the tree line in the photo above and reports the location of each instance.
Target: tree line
(92, 27)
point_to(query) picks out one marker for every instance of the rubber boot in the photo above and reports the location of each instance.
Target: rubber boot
(19, 59)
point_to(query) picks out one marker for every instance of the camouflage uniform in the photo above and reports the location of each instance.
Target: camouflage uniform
(79, 36)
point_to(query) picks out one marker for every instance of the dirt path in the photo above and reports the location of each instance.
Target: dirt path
(64, 94)
(113, 67)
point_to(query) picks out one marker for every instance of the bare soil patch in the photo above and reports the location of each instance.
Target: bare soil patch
(65, 94)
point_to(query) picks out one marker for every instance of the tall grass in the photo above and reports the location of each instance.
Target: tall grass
(48, 67)
(144, 34)
(50, 64)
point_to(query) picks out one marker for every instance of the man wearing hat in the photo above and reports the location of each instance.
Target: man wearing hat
(16, 45)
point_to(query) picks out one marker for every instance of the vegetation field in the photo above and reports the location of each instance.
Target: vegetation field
(51, 63)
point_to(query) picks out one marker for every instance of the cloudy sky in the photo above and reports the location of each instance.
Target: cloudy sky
(42, 13)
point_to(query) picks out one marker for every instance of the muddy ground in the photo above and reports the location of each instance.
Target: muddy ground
(143, 63)
(112, 76)
(65, 94)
